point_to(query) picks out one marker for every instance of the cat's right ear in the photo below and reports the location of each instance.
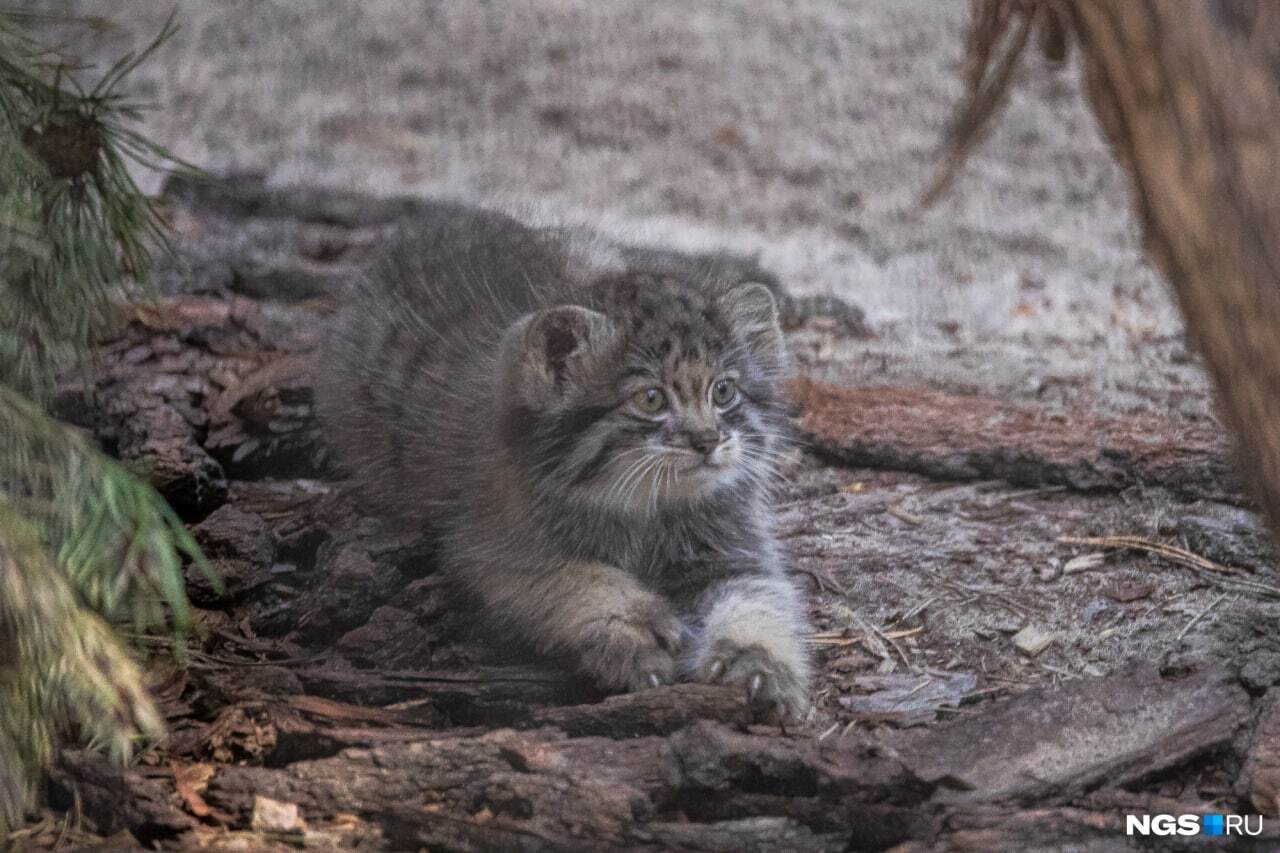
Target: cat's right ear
(545, 352)
(754, 313)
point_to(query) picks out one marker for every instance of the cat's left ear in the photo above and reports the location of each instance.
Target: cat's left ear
(754, 315)
(543, 354)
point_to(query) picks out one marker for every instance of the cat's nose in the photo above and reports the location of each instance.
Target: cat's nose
(704, 442)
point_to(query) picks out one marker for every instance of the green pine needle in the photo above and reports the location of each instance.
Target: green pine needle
(84, 545)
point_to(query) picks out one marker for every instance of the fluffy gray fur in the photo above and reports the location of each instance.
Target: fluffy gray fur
(593, 444)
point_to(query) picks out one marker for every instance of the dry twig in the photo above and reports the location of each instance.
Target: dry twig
(1199, 616)
(1172, 553)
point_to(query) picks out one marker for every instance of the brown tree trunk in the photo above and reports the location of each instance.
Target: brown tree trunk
(1188, 91)
(1189, 94)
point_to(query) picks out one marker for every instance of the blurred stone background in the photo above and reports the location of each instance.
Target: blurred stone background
(804, 132)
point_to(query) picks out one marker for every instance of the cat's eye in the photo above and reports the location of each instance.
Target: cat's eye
(723, 391)
(650, 400)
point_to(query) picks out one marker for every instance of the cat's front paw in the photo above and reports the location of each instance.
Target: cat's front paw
(633, 649)
(770, 680)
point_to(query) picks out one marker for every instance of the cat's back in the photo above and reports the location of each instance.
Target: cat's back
(404, 370)
(453, 265)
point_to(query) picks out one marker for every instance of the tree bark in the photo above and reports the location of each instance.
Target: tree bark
(1189, 95)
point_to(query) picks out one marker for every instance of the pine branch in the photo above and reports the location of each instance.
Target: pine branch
(64, 664)
(75, 230)
(114, 537)
(83, 544)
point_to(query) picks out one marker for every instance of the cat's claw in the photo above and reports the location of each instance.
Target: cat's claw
(768, 683)
(634, 651)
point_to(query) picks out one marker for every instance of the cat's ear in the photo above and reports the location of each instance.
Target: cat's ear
(753, 313)
(545, 352)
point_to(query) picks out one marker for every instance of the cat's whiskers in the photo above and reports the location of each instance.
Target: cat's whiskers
(633, 469)
(765, 468)
(642, 472)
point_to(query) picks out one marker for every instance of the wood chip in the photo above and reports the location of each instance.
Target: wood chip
(274, 816)
(1084, 563)
(904, 515)
(1126, 592)
(1031, 641)
(190, 782)
(907, 699)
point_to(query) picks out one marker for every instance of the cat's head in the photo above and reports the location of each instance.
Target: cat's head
(659, 392)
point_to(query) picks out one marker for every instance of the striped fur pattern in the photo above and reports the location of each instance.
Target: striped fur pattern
(595, 449)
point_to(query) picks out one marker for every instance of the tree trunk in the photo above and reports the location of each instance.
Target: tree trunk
(1189, 94)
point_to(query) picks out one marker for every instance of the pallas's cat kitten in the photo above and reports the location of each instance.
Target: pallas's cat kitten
(594, 456)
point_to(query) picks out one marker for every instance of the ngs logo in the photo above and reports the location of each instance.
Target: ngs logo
(1190, 824)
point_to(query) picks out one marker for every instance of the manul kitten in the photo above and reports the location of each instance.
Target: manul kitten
(594, 453)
